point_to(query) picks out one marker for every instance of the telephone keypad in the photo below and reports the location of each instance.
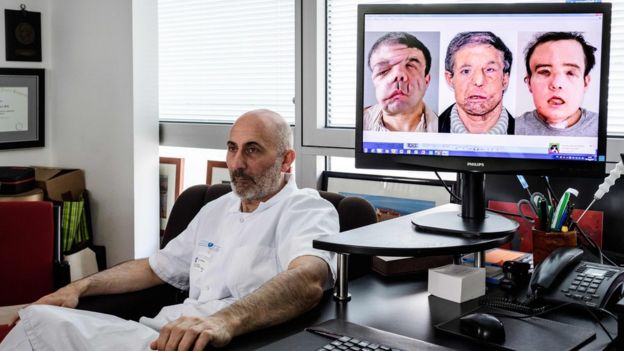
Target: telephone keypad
(586, 285)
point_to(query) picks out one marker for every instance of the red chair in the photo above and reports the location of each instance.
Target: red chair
(26, 252)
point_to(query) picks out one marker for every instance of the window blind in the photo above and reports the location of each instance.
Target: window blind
(219, 59)
(341, 58)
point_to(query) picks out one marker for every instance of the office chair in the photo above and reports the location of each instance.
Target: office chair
(353, 212)
(26, 253)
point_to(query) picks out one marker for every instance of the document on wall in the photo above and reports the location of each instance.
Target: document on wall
(13, 109)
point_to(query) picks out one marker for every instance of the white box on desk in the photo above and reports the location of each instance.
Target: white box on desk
(457, 283)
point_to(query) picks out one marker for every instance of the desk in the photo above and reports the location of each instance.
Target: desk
(398, 305)
(397, 237)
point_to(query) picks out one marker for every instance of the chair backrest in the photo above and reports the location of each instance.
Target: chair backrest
(188, 204)
(353, 212)
(26, 251)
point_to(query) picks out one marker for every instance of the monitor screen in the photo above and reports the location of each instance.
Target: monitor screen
(448, 87)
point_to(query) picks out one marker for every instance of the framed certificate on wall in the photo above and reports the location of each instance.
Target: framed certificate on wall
(21, 108)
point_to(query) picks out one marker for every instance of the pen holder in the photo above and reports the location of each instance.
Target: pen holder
(546, 242)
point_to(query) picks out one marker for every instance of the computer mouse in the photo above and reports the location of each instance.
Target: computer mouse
(483, 326)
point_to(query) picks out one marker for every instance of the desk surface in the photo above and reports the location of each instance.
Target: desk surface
(397, 237)
(397, 305)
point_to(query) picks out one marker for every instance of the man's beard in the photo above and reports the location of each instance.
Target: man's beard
(260, 186)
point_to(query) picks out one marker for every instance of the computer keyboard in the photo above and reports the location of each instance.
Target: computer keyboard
(343, 342)
(337, 334)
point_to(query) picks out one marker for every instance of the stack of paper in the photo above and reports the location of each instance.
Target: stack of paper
(457, 283)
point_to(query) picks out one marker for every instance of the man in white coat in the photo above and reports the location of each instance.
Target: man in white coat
(246, 258)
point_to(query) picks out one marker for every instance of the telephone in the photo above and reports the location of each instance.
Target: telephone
(564, 277)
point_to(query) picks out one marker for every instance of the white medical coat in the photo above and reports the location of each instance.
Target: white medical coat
(225, 254)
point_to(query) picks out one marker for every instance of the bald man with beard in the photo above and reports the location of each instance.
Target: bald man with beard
(246, 259)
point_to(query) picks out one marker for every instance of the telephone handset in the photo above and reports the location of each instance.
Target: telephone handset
(563, 277)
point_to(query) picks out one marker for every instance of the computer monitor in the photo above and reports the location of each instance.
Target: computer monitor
(446, 87)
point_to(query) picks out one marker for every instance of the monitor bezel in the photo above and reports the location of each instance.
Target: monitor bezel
(485, 164)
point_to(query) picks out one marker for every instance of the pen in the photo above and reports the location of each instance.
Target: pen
(524, 183)
(570, 208)
(543, 215)
(560, 212)
(551, 193)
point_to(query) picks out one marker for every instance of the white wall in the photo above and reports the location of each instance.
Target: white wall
(101, 112)
(100, 127)
(145, 93)
(30, 156)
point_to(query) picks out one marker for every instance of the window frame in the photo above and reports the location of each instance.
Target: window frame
(313, 139)
(311, 20)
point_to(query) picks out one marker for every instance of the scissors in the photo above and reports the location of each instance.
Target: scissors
(535, 204)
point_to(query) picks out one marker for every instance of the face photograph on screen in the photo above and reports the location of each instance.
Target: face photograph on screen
(477, 67)
(498, 89)
(558, 67)
(402, 82)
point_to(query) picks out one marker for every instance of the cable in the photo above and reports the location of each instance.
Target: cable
(604, 187)
(610, 314)
(540, 311)
(599, 322)
(447, 187)
(586, 209)
(509, 304)
(546, 310)
(593, 244)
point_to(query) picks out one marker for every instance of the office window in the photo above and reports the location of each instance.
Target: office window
(218, 58)
(341, 58)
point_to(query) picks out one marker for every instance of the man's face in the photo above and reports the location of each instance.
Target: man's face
(478, 79)
(557, 82)
(254, 165)
(399, 77)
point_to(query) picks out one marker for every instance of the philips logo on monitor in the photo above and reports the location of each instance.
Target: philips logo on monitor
(475, 164)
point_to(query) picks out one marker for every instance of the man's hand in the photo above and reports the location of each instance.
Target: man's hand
(65, 297)
(193, 333)
(285, 296)
(125, 277)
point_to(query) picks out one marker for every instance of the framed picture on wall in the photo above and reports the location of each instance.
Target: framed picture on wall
(22, 31)
(217, 173)
(21, 108)
(391, 196)
(170, 184)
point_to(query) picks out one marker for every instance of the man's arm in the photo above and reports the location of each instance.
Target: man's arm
(285, 296)
(125, 277)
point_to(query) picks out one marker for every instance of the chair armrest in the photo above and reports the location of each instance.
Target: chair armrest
(4, 330)
(133, 305)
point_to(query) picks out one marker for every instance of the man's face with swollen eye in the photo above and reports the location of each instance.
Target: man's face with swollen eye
(399, 77)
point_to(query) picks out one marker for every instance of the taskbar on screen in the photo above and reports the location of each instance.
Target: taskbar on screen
(477, 151)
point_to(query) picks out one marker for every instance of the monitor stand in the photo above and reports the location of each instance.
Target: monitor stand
(472, 220)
